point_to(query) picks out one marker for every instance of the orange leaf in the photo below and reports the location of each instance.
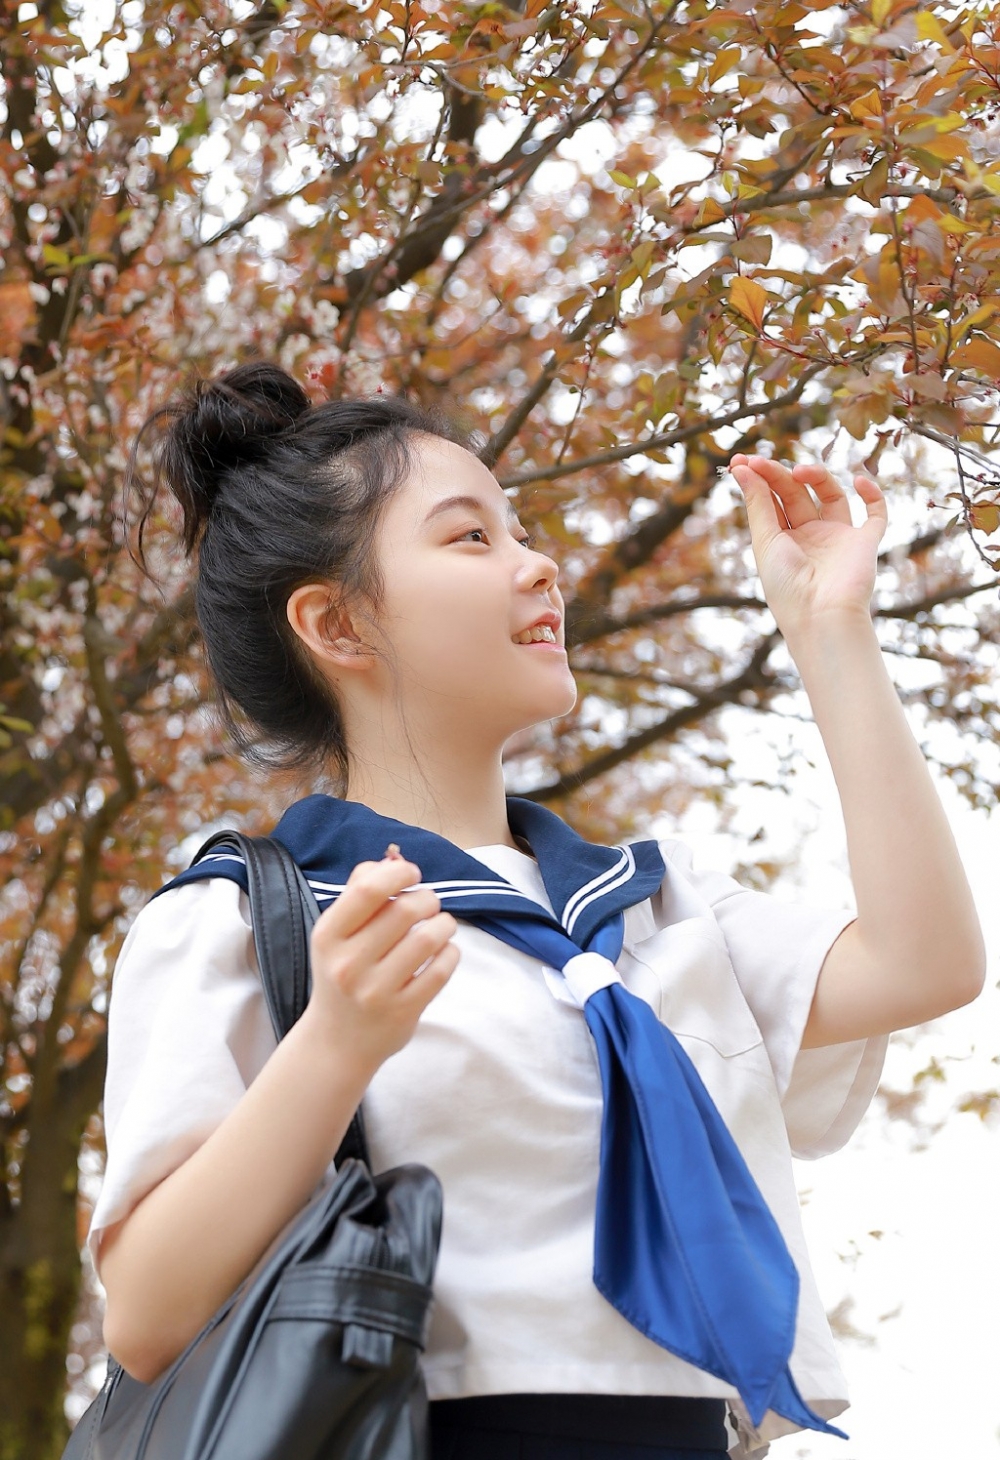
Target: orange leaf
(946, 148)
(982, 355)
(749, 298)
(869, 105)
(922, 209)
(985, 517)
(17, 310)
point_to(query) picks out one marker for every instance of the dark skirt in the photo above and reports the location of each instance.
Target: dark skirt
(578, 1427)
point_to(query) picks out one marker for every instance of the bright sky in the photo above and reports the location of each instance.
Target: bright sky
(902, 1225)
(928, 1290)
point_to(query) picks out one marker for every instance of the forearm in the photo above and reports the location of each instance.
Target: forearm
(197, 1235)
(917, 926)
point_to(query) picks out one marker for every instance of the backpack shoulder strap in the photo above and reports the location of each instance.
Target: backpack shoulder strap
(282, 913)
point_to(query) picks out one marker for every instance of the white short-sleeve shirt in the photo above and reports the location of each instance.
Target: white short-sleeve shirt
(499, 1093)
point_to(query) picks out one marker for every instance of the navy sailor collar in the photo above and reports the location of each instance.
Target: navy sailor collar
(586, 883)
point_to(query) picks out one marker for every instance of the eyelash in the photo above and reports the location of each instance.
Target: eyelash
(525, 542)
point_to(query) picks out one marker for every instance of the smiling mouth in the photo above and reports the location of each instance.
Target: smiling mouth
(540, 634)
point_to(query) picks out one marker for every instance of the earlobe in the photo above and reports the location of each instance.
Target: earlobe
(326, 628)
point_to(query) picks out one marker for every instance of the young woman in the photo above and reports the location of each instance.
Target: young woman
(371, 606)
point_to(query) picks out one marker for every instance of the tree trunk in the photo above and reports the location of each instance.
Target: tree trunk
(38, 1298)
(40, 1273)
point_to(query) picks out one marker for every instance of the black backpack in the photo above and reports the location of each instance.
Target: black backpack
(316, 1355)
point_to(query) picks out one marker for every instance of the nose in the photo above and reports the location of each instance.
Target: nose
(538, 571)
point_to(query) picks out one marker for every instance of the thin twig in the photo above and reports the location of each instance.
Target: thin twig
(665, 438)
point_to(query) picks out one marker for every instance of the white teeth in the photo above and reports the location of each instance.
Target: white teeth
(541, 633)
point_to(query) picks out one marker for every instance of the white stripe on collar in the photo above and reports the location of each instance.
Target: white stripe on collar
(601, 891)
(598, 881)
(447, 889)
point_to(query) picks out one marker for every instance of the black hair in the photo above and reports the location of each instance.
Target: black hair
(277, 492)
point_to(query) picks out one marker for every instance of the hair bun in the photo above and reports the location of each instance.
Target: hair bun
(221, 424)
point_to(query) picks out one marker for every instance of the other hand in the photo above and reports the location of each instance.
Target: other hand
(380, 953)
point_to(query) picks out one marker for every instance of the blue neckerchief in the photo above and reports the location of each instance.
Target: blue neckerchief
(685, 1247)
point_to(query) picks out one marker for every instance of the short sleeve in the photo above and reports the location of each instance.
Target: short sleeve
(777, 949)
(188, 1031)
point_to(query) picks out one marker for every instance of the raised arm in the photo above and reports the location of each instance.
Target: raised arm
(916, 948)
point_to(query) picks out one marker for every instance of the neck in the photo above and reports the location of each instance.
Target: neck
(456, 791)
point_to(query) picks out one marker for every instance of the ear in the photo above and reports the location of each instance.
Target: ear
(326, 628)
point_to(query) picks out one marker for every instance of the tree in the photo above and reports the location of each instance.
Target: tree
(616, 241)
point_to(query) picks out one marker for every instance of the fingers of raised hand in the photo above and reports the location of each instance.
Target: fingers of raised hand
(874, 499)
(808, 492)
(765, 512)
(834, 503)
(830, 495)
(792, 491)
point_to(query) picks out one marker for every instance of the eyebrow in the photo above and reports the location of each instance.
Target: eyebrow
(469, 504)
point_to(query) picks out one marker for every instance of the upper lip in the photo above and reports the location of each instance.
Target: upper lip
(550, 620)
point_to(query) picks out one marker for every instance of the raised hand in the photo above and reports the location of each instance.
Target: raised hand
(812, 560)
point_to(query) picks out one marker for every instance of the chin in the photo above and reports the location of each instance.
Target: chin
(553, 707)
(568, 704)
(566, 700)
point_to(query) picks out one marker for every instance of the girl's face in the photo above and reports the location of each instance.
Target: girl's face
(462, 588)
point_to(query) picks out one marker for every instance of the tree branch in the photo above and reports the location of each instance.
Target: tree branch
(657, 612)
(418, 250)
(56, 867)
(171, 633)
(666, 438)
(588, 615)
(45, 1065)
(81, 1085)
(87, 924)
(753, 677)
(827, 193)
(114, 732)
(498, 443)
(953, 594)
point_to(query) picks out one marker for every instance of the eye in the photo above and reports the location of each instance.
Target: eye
(475, 533)
(529, 541)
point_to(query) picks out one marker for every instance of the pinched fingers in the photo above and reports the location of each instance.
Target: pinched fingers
(796, 501)
(380, 931)
(380, 999)
(369, 889)
(764, 510)
(367, 952)
(400, 939)
(808, 491)
(371, 944)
